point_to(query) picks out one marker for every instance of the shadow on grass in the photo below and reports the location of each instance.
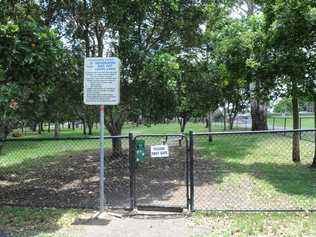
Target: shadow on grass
(28, 222)
(265, 157)
(292, 179)
(69, 179)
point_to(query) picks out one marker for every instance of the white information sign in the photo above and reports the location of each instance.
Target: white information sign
(159, 151)
(101, 81)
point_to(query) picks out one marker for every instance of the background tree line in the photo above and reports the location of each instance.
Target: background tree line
(180, 59)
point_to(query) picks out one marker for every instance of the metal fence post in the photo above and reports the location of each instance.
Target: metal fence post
(300, 128)
(191, 171)
(210, 120)
(1, 144)
(131, 155)
(187, 173)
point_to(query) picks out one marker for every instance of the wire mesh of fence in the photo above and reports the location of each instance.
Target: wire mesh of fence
(253, 171)
(63, 172)
(232, 171)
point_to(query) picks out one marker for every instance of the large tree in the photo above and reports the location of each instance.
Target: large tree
(230, 56)
(290, 29)
(29, 59)
(259, 100)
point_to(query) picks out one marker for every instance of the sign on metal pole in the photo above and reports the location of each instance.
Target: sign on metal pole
(102, 81)
(101, 87)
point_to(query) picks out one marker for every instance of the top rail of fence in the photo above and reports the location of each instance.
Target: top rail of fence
(253, 132)
(64, 138)
(161, 134)
(155, 135)
(291, 117)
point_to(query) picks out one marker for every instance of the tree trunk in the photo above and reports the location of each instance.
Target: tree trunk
(56, 129)
(84, 127)
(69, 125)
(314, 160)
(259, 115)
(231, 123)
(231, 120)
(116, 142)
(114, 124)
(296, 135)
(210, 119)
(225, 118)
(206, 122)
(73, 125)
(34, 125)
(2, 135)
(183, 121)
(48, 127)
(39, 128)
(117, 147)
(90, 127)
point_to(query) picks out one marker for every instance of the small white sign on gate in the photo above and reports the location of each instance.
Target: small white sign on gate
(159, 151)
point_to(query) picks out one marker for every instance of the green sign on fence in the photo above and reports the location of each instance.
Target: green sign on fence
(140, 150)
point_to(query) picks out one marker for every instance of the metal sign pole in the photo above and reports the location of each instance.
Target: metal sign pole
(102, 158)
(101, 87)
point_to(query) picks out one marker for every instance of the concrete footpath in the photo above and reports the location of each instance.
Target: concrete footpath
(136, 226)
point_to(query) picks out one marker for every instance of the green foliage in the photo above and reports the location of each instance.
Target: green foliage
(160, 75)
(283, 106)
(291, 30)
(32, 63)
(179, 58)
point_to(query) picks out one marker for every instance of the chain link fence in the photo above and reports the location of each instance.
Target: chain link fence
(63, 172)
(253, 171)
(236, 171)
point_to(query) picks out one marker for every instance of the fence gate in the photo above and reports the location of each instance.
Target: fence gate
(161, 171)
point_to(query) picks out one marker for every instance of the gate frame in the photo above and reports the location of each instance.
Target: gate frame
(188, 167)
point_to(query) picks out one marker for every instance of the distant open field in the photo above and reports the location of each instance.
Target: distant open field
(280, 123)
(160, 128)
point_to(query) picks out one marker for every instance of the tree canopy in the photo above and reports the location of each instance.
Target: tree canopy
(180, 59)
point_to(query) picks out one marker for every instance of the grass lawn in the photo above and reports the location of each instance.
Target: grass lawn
(35, 222)
(279, 122)
(132, 128)
(263, 224)
(26, 222)
(15, 153)
(253, 172)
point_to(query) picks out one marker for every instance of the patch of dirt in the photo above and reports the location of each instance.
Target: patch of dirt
(73, 182)
(69, 181)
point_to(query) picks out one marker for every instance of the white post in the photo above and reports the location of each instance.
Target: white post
(102, 158)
